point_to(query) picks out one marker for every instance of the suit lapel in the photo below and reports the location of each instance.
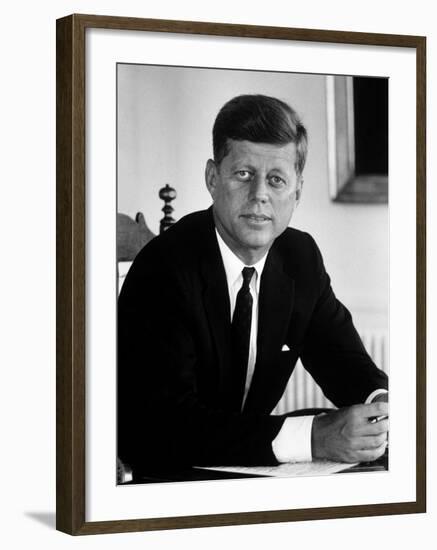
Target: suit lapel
(276, 302)
(216, 301)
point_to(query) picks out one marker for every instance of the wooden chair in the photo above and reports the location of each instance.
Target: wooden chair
(132, 235)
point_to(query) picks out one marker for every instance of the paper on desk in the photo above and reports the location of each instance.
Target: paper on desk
(290, 469)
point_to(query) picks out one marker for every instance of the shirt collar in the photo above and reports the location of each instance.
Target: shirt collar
(234, 266)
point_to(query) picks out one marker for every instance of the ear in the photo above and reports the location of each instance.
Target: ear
(299, 188)
(211, 177)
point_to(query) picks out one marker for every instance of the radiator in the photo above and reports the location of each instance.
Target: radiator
(302, 392)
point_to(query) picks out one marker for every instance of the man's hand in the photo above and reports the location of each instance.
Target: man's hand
(348, 435)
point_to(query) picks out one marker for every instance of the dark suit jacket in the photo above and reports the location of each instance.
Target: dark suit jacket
(174, 348)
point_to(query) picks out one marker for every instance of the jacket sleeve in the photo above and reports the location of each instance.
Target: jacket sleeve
(163, 418)
(333, 352)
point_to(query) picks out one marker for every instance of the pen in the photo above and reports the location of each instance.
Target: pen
(375, 419)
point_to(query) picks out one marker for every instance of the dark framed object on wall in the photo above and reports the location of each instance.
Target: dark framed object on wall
(357, 115)
(83, 504)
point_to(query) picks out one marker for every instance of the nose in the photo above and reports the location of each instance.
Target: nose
(259, 189)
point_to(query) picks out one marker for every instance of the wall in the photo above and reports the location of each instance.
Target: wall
(165, 121)
(27, 289)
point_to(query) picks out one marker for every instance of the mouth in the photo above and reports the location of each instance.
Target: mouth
(256, 218)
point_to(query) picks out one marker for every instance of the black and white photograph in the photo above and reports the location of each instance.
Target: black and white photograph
(252, 274)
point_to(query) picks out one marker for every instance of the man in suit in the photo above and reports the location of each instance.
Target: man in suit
(215, 312)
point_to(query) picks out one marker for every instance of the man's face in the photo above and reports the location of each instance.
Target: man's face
(255, 190)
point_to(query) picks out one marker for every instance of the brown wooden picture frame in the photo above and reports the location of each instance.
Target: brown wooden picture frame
(71, 254)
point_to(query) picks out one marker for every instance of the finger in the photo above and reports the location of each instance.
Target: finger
(378, 408)
(369, 443)
(364, 413)
(374, 428)
(381, 397)
(370, 455)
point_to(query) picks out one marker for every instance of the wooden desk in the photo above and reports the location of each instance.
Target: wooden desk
(200, 474)
(379, 465)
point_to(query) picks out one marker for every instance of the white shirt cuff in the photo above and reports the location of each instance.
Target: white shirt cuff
(373, 395)
(293, 442)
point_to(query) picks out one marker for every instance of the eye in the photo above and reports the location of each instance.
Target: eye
(243, 175)
(277, 181)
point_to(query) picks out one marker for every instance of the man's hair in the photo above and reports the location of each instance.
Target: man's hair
(260, 119)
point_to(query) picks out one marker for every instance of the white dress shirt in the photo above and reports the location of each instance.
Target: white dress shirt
(293, 442)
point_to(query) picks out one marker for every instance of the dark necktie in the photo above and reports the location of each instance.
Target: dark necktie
(241, 322)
